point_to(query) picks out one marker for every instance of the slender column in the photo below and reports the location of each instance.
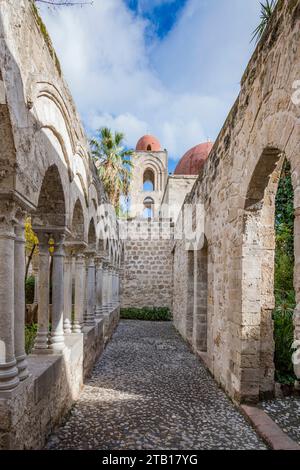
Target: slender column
(41, 340)
(114, 273)
(20, 300)
(109, 286)
(36, 289)
(68, 292)
(57, 343)
(99, 280)
(117, 286)
(79, 292)
(105, 286)
(8, 369)
(90, 316)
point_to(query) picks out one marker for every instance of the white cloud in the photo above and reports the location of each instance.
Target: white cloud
(179, 89)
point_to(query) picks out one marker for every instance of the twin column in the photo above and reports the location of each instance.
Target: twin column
(13, 366)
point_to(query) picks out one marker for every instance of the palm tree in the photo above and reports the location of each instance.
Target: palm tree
(267, 9)
(113, 162)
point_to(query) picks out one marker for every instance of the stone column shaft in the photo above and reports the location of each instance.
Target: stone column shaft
(36, 289)
(91, 283)
(20, 301)
(105, 288)
(57, 343)
(99, 280)
(68, 294)
(8, 369)
(79, 293)
(41, 340)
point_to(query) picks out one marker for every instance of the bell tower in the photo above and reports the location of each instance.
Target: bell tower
(149, 178)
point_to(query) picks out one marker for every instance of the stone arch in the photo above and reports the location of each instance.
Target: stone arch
(156, 166)
(149, 180)
(189, 325)
(92, 240)
(200, 297)
(78, 229)
(148, 207)
(257, 290)
(51, 208)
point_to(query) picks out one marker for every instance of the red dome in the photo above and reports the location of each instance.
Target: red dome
(148, 143)
(193, 160)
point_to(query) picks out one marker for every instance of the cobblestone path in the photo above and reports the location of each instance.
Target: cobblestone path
(286, 413)
(148, 391)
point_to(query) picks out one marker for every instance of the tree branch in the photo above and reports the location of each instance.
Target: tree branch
(66, 3)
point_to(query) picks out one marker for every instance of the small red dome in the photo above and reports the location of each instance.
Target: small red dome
(148, 143)
(194, 159)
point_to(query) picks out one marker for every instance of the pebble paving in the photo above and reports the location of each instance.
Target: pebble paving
(286, 413)
(148, 391)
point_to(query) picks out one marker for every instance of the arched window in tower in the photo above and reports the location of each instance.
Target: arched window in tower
(148, 208)
(149, 148)
(148, 180)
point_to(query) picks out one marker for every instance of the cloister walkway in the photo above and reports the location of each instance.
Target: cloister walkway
(148, 391)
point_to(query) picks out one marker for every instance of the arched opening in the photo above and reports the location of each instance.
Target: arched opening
(148, 212)
(51, 210)
(200, 299)
(285, 302)
(190, 295)
(92, 236)
(149, 148)
(78, 222)
(263, 231)
(149, 180)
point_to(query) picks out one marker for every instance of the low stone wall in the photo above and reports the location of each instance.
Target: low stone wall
(40, 402)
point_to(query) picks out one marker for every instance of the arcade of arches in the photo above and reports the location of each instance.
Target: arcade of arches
(219, 284)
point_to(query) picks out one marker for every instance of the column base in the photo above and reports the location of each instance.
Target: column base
(297, 385)
(57, 344)
(9, 375)
(22, 367)
(41, 342)
(77, 327)
(67, 327)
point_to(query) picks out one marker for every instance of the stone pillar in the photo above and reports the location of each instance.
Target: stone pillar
(36, 289)
(79, 292)
(296, 355)
(20, 299)
(68, 291)
(104, 286)
(8, 369)
(90, 290)
(109, 287)
(99, 280)
(57, 343)
(41, 340)
(118, 286)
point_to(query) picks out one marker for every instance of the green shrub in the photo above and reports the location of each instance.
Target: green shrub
(283, 279)
(284, 337)
(30, 334)
(146, 313)
(29, 290)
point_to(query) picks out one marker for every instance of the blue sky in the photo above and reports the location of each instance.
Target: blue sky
(171, 68)
(162, 15)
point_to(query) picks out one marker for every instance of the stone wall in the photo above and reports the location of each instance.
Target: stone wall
(176, 190)
(146, 279)
(236, 189)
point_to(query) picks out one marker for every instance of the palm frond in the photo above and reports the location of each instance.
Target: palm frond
(113, 162)
(267, 9)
